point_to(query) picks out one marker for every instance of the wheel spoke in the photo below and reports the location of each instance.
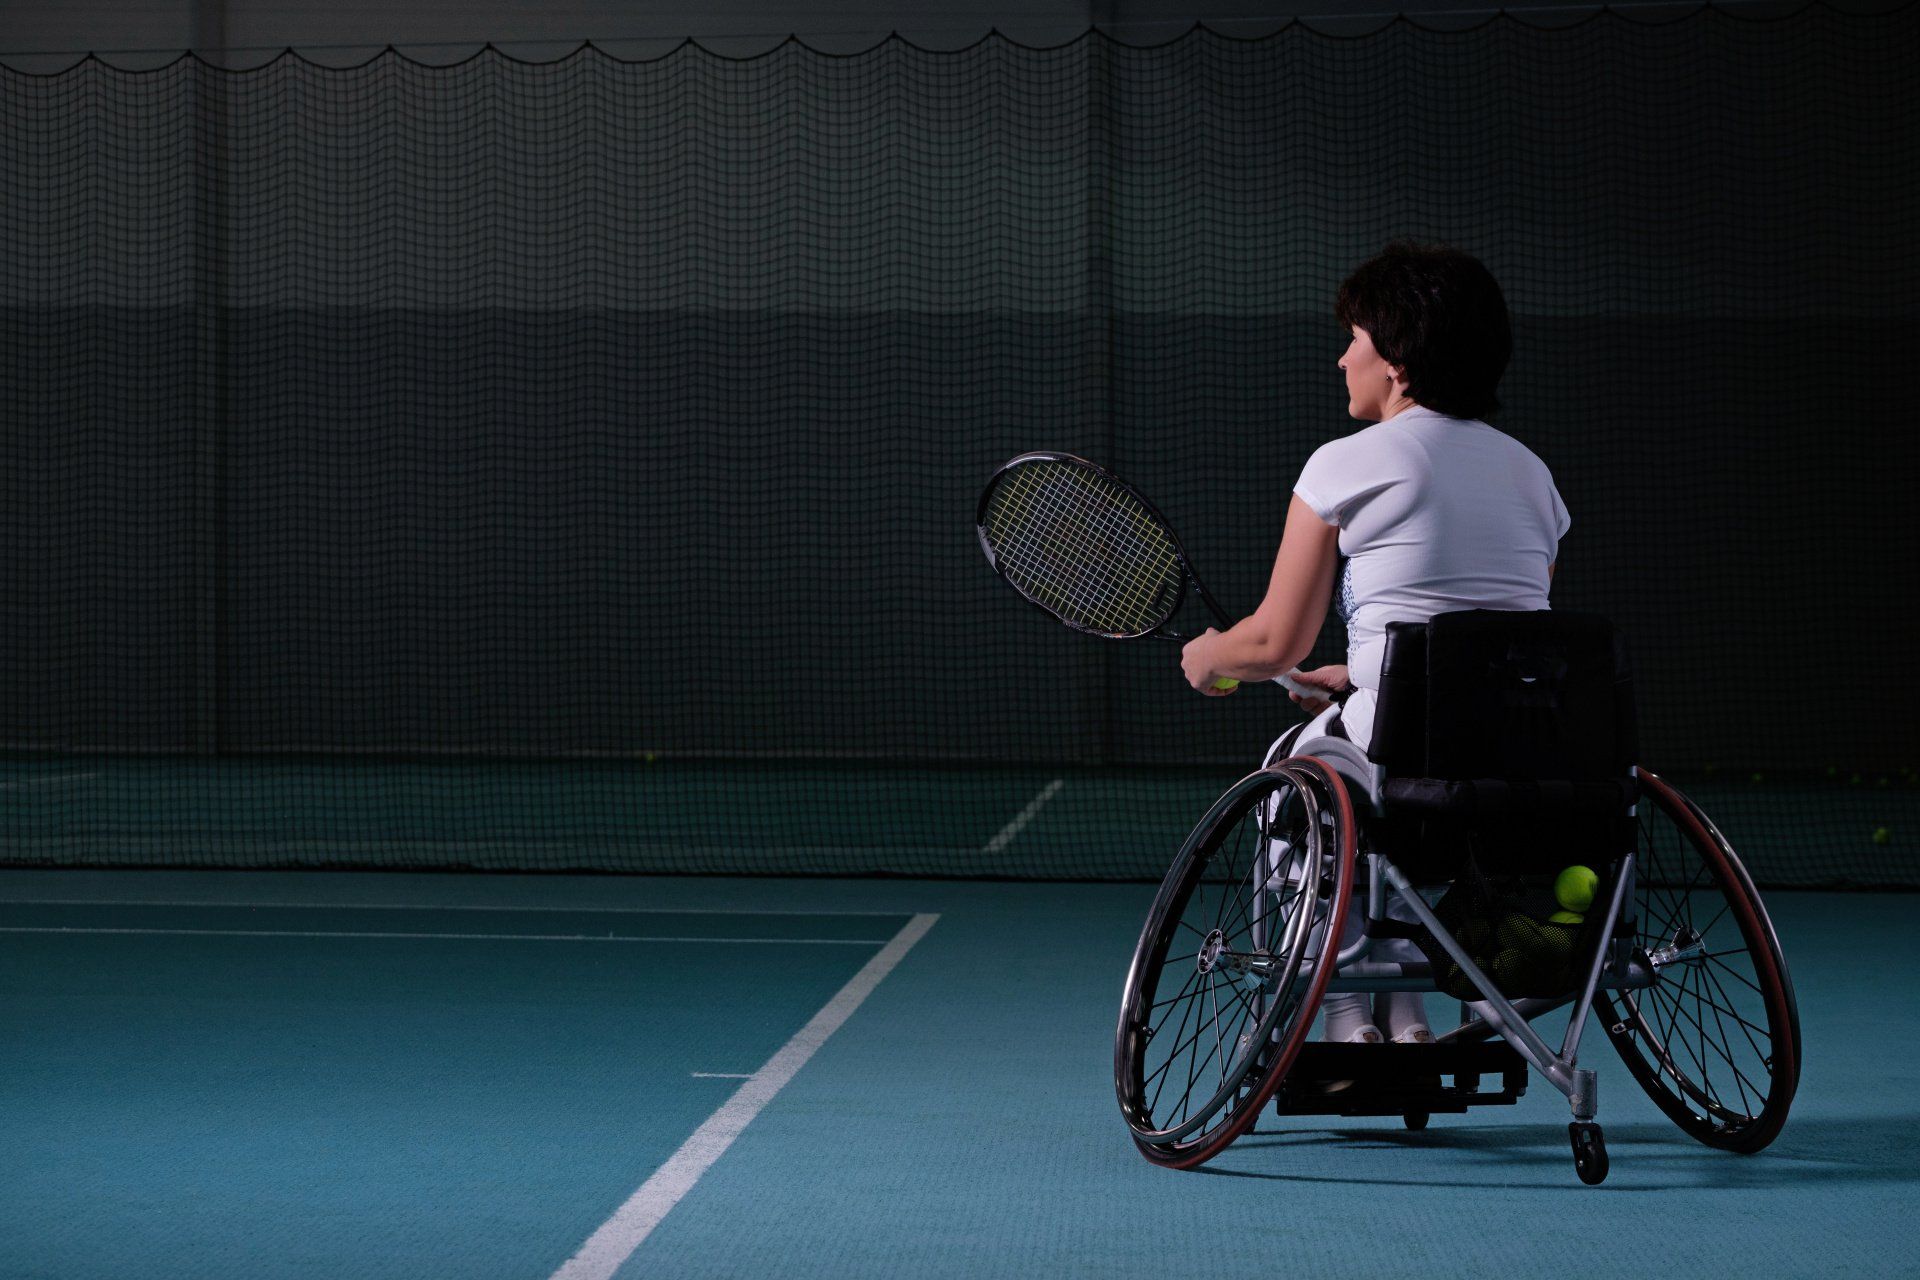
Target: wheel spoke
(1680, 1010)
(1194, 1000)
(1173, 1056)
(1703, 930)
(1677, 1034)
(1240, 897)
(1183, 993)
(1697, 1032)
(1747, 1026)
(1706, 1081)
(1720, 1022)
(1737, 975)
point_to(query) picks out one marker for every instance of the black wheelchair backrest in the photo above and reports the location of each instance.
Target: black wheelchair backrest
(1485, 693)
(1507, 736)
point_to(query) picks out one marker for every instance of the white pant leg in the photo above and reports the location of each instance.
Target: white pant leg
(1392, 1011)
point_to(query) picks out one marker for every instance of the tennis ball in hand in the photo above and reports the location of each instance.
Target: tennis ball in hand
(1226, 684)
(1566, 917)
(1574, 889)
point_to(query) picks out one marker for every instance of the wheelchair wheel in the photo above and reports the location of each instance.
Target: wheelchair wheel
(1233, 961)
(1715, 1041)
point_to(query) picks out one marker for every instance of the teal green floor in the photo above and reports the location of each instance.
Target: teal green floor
(196, 1103)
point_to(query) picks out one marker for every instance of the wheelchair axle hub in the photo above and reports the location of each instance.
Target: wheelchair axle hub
(1257, 967)
(1686, 945)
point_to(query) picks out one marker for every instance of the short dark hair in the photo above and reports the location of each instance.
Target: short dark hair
(1437, 313)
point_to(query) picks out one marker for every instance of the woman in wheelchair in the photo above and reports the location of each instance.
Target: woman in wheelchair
(1430, 508)
(1474, 743)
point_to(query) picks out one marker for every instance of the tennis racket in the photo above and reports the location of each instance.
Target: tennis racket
(1082, 544)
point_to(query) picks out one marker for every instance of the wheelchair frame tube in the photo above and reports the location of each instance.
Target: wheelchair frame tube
(1602, 954)
(1502, 1015)
(1376, 907)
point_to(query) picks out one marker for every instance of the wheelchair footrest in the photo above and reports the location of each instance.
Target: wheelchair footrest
(1400, 1079)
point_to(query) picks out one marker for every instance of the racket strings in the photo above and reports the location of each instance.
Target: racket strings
(1083, 547)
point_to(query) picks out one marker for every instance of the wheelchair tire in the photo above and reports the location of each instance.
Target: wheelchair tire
(1715, 1042)
(1248, 970)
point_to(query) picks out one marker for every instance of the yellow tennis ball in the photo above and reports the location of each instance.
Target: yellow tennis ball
(1566, 917)
(1225, 683)
(1881, 835)
(1575, 887)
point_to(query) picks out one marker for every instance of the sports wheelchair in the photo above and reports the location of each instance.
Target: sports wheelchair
(1503, 752)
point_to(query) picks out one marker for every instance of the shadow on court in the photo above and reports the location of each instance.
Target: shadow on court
(1871, 1149)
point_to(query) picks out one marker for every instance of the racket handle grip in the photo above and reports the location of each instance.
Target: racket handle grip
(1225, 683)
(1304, 690)
(1293, 686)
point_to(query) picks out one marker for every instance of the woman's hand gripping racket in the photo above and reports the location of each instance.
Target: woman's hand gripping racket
(1081, 543)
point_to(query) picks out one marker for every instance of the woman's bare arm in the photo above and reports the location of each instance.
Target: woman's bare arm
(1278, 634)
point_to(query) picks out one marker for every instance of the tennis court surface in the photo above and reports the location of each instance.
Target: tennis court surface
(287, 1074)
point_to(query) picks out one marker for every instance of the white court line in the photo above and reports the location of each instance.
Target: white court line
(429, 906)
(617, 1238)
(463, 937)
(721, 1075)
(1021, 819)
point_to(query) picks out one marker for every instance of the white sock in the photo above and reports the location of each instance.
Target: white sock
(1395, 1012)
(1346, 1014)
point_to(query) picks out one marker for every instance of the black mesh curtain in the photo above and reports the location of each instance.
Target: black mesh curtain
(602, 408)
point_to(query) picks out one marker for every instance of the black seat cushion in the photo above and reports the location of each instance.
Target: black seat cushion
(1511, 795)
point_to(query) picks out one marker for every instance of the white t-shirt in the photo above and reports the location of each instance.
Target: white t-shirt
(1435, 514)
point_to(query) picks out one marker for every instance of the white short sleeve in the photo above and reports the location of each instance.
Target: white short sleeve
(1338, 478)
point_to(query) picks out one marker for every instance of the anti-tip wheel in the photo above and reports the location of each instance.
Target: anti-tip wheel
(1589, 1152)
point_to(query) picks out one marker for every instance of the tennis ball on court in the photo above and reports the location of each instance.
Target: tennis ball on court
(651, 757)
(1574, 888)
(1881, 835)
(1566, 917)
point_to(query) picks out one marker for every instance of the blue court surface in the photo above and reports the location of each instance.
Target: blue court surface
(268, 1074)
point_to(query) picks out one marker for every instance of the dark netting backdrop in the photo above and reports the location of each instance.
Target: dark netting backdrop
(572, 465)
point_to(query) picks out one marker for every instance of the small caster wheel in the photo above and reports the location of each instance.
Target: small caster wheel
(1589, 1152)
(1417, 1120)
